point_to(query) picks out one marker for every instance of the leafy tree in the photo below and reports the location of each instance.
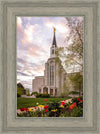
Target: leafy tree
(65, 89)
(28, 92)
(20, 89)
(77, 81)
(20, 85)
(72, 54)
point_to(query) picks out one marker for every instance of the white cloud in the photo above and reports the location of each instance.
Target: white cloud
(50, 24)
(29, 31)
(19, 21)
(61, 27)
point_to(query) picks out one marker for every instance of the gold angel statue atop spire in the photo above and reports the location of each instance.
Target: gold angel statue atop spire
(54, 29)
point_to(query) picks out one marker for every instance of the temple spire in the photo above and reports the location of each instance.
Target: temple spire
(54, 38)
(53, 48)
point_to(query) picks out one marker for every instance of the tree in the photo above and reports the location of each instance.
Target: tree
(20, 85)
(28, 92)
(72, 54)
(20, 89)
(77, 81)
(65, 89)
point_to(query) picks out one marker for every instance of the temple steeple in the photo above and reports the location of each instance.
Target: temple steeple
(54, 45)
(54, 38)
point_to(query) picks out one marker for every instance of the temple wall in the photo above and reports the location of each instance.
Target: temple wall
(37, 83)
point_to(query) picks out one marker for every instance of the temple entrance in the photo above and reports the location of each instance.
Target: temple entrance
(51, 91)
(39, 90)
(55, 91)
(45, 90)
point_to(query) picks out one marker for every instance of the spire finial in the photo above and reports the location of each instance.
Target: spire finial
(54, 38)
(54, 29)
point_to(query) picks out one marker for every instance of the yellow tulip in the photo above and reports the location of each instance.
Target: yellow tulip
(41, 106)
(30, 109)
(54, 110)
(61, 106)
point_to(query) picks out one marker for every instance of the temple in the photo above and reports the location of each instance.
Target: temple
(54, 74)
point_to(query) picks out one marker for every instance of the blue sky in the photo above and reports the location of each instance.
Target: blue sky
(34, 38)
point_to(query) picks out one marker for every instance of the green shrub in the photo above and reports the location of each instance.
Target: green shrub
(45, 95)
(64, 94)
(28, 94)
(66, 114)
(38, 95)
(77, 112)
(18, 95)
(42, 95)
(34, 93)
(73, 92)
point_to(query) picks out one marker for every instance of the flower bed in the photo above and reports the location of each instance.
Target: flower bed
(74, 108)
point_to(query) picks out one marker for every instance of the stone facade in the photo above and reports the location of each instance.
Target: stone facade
(37, 83)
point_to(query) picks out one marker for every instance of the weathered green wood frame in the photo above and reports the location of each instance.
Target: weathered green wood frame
(9, 10)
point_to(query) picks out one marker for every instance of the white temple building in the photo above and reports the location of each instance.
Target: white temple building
(54, 75)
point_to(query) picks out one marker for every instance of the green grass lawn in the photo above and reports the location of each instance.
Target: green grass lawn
(31, 102)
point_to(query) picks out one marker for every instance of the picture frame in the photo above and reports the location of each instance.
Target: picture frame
(9, 123)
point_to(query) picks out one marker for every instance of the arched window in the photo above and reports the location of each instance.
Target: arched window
(51, 62)
(52, 51)
(51, 75)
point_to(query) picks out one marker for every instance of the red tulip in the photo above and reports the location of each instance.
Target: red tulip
(62, 103)
(74, 104)
(35, 107)
(26, 109)
(45, 107)
(46, 110)
(45, 100)
(70, 107)
(78, 99)
(81, 100)
(22, 109)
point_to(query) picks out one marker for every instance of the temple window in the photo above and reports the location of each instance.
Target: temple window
(52, 51)
(51, 75)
